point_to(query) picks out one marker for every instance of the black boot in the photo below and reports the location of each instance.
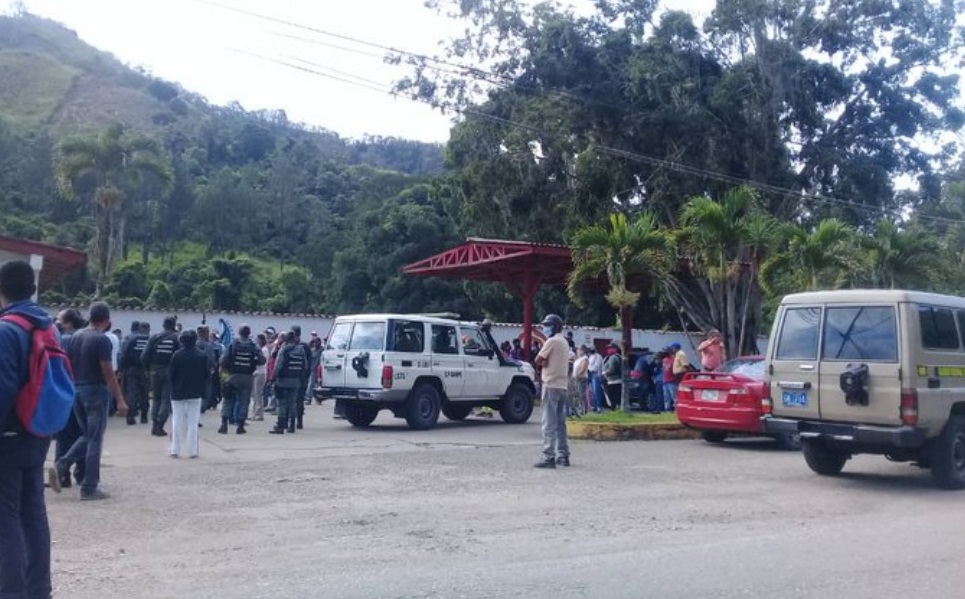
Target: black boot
(241, 428)
(223, 429)
(278, 430)
(298, 423)
(291, 424)
(156, 429)
(143, 418)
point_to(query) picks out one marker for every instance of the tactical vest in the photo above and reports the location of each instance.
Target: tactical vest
(244, 358)
(135, 351)
(296, 363)
(164, 348)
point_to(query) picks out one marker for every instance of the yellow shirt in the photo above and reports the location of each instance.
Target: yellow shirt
(556, 355)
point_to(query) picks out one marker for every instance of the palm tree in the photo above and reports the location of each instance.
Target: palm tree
(619, 252)
(902, 257)
(723, 244)
(108, 166)
(813, 259)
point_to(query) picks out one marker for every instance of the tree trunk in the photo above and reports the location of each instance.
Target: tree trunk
(626, 343)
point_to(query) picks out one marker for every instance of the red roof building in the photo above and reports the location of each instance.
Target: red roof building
(521, 266)
(51, 263)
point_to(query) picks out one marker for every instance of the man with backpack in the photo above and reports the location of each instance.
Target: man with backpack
(133, 375)
(156, 359)
(27, 395)
(241, 360)
(94, 378)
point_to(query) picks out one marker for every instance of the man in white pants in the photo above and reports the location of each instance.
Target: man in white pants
(189, 371)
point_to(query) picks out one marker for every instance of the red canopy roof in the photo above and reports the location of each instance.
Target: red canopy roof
(510, 262)
(58, 261)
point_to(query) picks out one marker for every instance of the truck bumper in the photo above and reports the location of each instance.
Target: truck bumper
(857, 434)
(365, 395)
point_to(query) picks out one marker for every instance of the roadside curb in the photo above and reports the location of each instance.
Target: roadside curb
(611, 431)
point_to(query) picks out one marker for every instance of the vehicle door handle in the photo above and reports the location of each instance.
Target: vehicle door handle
(436, 364)
(335, 367)
(808, 367)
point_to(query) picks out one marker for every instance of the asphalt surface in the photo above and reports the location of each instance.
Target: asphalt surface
(458, 512)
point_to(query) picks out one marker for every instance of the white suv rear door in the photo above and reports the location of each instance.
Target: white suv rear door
(480, 376)
(333, 357)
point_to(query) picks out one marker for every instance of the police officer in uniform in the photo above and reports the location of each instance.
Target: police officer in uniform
(240, 360)
(133, 374)
(303, 390)
(290, 372)
(157, 359)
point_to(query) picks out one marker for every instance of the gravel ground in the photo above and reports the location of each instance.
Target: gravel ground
(460, 512)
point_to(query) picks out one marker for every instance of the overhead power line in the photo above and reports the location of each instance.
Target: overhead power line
(676, 166)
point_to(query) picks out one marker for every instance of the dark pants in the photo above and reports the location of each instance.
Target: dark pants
(135, 392)
(90, 409)
(24, 531)
(237, 394)
(65, 440)
(614, 392)
(288, 398)
(160, 395)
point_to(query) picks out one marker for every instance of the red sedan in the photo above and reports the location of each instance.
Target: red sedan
(727, 401)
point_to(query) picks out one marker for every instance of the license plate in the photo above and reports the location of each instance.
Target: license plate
(709, 395)
(795, 399)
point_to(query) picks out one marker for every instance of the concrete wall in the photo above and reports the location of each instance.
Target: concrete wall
(654, 340)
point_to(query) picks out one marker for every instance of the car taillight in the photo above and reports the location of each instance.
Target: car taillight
(767, 404)
(909, 407)
(685, 392)
(387, 376)
(740, 391)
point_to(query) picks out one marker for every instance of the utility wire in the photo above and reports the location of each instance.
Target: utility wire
(369, 84)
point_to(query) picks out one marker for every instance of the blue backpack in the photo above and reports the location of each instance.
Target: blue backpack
(46, 400)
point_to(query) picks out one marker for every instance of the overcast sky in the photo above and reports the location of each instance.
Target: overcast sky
(200, 46)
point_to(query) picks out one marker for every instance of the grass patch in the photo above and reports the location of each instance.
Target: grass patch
(619, 417)
(33, 87)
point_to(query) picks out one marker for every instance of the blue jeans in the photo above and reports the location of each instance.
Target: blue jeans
(669, 396)
(90, 409)
(25, 533)
(596, 385)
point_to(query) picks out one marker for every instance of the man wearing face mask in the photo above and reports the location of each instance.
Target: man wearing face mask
(553, 363)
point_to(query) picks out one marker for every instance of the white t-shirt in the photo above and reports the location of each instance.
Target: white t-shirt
(596, 363)
(115, 348)
(580, 367)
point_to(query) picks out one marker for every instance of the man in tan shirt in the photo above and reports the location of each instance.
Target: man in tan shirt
(553, 363)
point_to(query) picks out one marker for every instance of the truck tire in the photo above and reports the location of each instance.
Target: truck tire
(360, 416)
(822, 459)
(714, 436)
(456, 411)
(948, 455)
(517, 406)
(422, 408)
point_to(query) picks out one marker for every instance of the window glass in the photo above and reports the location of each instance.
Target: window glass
(861, 333)
(799, 334)
(444, 339)
(746, 367)
(338, 339)
(473, 343)
(937, 328)
(408, 336)
(369, 336)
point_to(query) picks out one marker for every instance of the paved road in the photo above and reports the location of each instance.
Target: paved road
(458, 512)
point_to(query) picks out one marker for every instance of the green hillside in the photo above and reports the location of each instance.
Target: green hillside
(242, 210)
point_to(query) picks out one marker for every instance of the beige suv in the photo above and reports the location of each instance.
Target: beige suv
(871, 371)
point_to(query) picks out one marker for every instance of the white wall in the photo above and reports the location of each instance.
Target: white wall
(122, 318)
